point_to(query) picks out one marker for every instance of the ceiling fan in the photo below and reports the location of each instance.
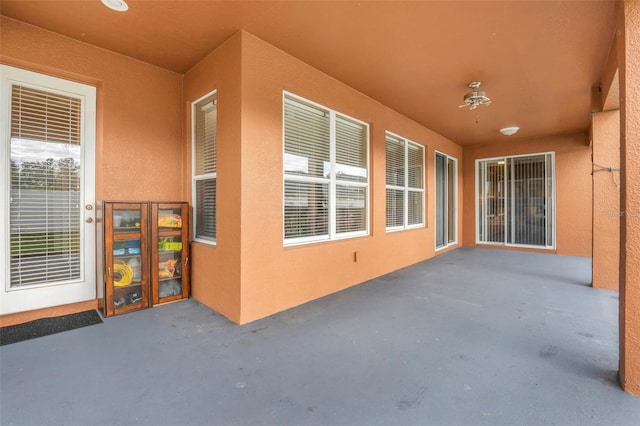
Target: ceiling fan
(475, 98)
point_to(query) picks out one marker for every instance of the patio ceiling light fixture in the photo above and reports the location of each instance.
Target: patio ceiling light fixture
(117, 5)
(508, 131)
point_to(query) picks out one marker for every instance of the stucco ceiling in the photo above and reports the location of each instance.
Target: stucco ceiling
(537, 60)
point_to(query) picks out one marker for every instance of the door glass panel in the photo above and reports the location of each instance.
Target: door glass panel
(169, 266)
(126, 221)
(440, 200)
(45, 197)
(445, 200)
(451, 200)
(169, 219)
(526, 188)
(127, 272)
(170, 251)
(549, 207)
(491, 201)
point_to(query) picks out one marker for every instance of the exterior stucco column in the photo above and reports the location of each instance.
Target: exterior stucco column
(605, 128)
(629, 63)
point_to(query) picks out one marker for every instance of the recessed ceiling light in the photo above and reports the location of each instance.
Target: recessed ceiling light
(117, 5)
(508, 131)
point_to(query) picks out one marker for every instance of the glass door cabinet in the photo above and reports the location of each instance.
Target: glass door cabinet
(126, 257)
(169, 252)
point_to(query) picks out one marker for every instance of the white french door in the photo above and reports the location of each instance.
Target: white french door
(47, 248)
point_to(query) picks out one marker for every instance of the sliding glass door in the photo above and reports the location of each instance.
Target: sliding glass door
(516, 200)
(446, 205)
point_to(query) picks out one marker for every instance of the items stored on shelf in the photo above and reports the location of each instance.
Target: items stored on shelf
(164, 244)
(170, 221)
(167, 269)
(122, 274)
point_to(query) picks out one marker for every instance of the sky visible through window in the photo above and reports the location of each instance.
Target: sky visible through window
(27, 150)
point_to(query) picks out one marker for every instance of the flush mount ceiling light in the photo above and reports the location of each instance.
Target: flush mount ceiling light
(508, 131)
(475, 98)
(117, 5)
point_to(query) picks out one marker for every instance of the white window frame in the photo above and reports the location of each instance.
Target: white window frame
(406, 188)
(331, 181)
(455, 201)
(548, 174)
(205, 176)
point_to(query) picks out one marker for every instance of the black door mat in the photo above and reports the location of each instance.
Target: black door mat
(46, 326)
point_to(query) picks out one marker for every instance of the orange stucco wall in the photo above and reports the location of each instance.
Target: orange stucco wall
(573, 187)
(215, 270)
(606, 199)
(255, 275)
(276, 277)
(139, 111)
(628, 49)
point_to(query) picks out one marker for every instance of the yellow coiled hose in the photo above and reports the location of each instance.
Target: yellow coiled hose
(122, 274)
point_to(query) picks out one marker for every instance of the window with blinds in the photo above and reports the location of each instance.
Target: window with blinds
(516, 200)
(404, 183)
(204, 117)
(326, 173)
(45, 197)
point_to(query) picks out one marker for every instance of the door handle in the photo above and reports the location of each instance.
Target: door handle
(88, 219)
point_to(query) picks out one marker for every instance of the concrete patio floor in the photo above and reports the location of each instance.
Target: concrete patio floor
(472, 337)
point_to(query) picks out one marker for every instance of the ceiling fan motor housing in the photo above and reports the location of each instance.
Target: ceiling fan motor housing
(475, 97)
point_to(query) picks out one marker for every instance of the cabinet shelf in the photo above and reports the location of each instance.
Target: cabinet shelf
(126, 286)
(127, 236)
(126, 256)
(125, 229)
(177, 277)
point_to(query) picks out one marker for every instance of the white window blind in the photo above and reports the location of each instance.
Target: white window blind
(395, 174)
(405, 183)
(326, 176)
(205, 168)
(44, 217)
(351, 173)
(415, 184)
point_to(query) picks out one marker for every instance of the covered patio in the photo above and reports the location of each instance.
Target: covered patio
(475, 336)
